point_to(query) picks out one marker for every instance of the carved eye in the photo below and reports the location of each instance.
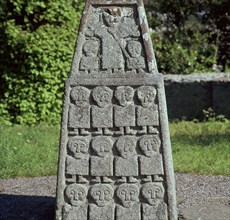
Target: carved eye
(157, 190)
(106, 97)
(149, 191)
(123, 192)
(107, 192)
(132, 192)
(80, 193)
(131, 148)
(97, 193)
(72, 192)
(75, 145)
(83, 148)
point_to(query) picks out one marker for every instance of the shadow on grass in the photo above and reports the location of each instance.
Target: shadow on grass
(19, 207)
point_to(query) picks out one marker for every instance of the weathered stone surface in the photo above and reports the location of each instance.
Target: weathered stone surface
(115, 157)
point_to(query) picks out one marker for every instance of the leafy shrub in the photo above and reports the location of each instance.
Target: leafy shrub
(193, 35)
(35, 52)
(184, 53)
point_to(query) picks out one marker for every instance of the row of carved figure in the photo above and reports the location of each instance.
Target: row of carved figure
(105, 115)
(112, 43)
(99, 160)
(92, 63)
(128, 203)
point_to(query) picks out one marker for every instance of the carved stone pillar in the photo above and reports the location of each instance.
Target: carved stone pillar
(115, 157)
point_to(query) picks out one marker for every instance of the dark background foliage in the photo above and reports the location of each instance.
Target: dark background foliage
(38, 37)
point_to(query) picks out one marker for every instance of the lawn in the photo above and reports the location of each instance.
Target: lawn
(202, 148)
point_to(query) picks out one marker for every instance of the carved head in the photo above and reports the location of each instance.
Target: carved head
(127, 194)
(134, 48)
(102, 194)
(146, 95)
(111, 20)
(76, 194)
(149, 145)
(90, 48)
(80, 95)
(102, 146)
(153, 193)
(124, 95)
(126, 146)
(103, 96)
(78, 146)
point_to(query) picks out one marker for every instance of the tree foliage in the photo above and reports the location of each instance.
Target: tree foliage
(36, 49)
(190, 36)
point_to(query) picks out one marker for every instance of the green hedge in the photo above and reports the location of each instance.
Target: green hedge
(38, 42)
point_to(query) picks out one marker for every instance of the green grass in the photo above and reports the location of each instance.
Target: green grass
(202, 148)
(28, 150)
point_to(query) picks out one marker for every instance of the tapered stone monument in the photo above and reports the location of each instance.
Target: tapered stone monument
(115, 160)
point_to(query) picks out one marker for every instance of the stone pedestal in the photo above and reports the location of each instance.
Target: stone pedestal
(115, 157)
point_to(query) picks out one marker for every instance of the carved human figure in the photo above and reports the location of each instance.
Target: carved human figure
(124, 115)
(155, 208)
(128, 209)
(90, 61)
(112, 57)
(147, 113)
(79, 110)
(103, 207)
(151, 163)
(126, 164)
(136, 61)
(77, 161)
(112, 29)
(102, 114)
(101, 165)
(76, 205)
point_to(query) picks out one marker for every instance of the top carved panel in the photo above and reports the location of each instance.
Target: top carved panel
(113, 42)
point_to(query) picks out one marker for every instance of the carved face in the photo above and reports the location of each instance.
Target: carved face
(124, 95)
(103, 96)
(110, 20)
(102, 194)
(134, 48)
(153, 193)
(127, 194)
(78, 146)
(102, 146)
(80, 95)
(146, 95)
(149, 145)
(91, 48)
(76, 194)
(126, 146)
